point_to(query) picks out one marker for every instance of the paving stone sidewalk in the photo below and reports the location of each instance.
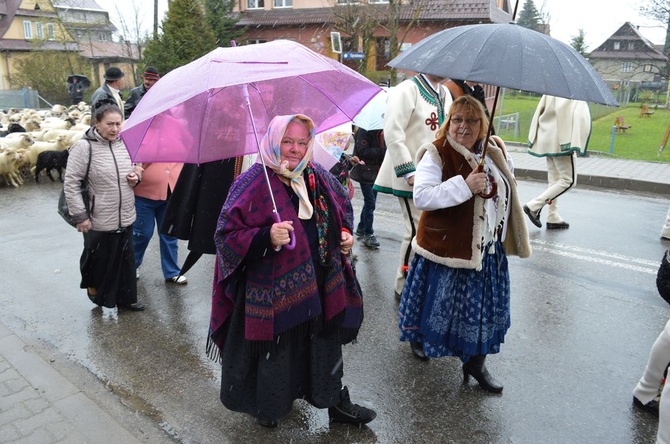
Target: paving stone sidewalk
(600, 171)
(39, 405)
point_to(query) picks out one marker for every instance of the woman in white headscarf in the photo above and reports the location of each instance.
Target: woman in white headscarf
(280, 315)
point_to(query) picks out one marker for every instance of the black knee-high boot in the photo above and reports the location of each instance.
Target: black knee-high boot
(475, 367)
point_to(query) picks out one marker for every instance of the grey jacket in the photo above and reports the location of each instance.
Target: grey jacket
(103, 93)
(112, 198)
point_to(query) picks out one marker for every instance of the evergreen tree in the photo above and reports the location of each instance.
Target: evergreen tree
(219, 17)
(529, 17)
(578, 43)
(186, 36)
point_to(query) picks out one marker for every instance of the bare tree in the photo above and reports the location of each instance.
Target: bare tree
(659, 10)
(395, 9)
(132, 33)
(358, 21)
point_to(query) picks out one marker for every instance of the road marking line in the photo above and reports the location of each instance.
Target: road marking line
(598, 256)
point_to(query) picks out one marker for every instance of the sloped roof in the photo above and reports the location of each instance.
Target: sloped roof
(11, 10)
(25, 45)
(106, 50)
(90, 5)
(429, 10)
(627, 32)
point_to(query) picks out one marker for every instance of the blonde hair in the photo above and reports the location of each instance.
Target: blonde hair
(469, 107)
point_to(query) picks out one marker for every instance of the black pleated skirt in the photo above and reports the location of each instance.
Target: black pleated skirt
(265, 384)
(108, 265)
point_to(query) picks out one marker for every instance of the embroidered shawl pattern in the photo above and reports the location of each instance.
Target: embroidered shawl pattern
(281, 293)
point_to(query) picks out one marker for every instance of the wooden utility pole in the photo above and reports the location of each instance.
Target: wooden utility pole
(155, 19)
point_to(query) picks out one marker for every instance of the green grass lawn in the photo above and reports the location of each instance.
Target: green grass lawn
(641, 142)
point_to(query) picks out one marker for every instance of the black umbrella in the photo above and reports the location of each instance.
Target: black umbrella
(80, 79)
(510, 56)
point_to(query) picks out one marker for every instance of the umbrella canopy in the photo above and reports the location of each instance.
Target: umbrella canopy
(510, 56)
(371, 117)
(80, 79)
(333, 143)
(199, 112)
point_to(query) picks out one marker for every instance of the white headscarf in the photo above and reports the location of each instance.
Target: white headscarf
(271, 151)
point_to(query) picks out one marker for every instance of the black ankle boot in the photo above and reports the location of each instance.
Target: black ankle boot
(417, 349)
(475, 367)
(348, 412)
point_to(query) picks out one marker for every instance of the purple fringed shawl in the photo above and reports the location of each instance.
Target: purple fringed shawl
(281, 289)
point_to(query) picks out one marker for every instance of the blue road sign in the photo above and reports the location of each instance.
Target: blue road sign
(353, 55)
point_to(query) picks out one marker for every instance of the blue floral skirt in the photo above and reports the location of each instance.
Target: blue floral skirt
(457, 311)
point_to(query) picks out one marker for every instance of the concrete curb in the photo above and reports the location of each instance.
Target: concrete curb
(620, 183)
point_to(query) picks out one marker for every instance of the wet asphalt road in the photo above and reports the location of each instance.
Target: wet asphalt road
(585, 312)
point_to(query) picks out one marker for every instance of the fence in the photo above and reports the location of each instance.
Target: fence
(23, 98)
(507, 124)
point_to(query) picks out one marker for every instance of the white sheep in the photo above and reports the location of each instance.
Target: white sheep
(58, 123)
(50, 135)
(59, 111)
(10, 166)
(17, 140)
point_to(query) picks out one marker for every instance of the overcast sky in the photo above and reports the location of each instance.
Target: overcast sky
(598, 18)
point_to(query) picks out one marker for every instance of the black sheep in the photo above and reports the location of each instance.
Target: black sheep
(12, 128)
(51, 160)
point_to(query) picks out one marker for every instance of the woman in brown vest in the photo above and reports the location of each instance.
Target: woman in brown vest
(456, 301)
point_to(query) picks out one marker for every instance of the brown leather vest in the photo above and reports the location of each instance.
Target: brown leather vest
(448, 232)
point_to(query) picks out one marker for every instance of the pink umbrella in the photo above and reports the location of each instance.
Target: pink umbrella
(217, 106)
(198, 113)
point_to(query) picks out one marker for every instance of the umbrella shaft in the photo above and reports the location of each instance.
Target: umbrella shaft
(245, 92)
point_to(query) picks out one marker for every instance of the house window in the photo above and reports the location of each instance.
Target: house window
(51, 35)
(27, 30)
(627, 67)
(617, 45)
(631, 46)
(39, 31)
(347, 2)
(255, 4)
(255, 41)
(283, 3)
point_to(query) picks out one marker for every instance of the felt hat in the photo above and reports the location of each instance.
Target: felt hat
(113, 73)
(151, 73)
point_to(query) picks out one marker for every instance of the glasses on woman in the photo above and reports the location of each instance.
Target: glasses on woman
(469, 121)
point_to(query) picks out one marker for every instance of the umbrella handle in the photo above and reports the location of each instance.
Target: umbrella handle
(494, 185)
(291, 244)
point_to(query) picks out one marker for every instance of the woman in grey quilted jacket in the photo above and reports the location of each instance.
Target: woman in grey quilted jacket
(107, 262)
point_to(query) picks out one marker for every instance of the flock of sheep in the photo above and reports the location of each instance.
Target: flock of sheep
(33, 141)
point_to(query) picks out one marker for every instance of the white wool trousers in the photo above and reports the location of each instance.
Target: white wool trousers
(663, 435)
(648, 386)
(561, 176)
(411, 218)
(665, 231)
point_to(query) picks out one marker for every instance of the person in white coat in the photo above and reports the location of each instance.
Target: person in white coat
(559, 129)
(415, 110)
